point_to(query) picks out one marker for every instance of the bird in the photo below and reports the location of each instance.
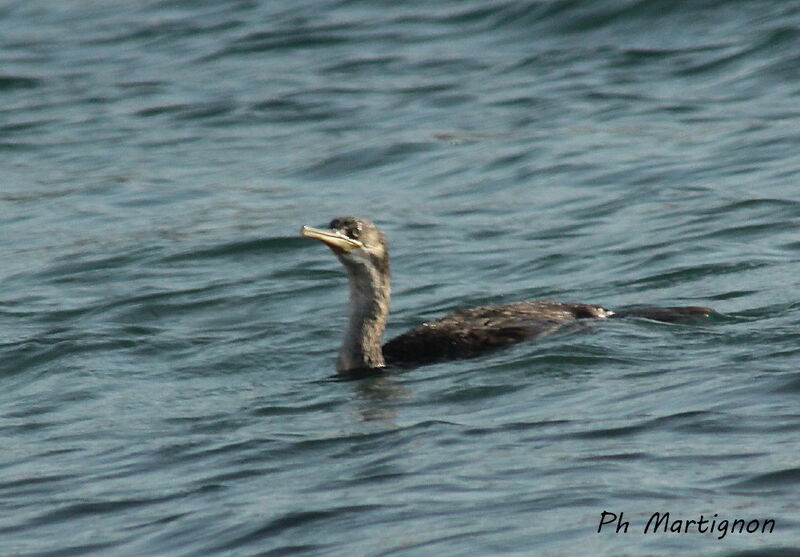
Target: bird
(362, 249)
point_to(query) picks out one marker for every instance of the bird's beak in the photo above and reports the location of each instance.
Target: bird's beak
(337, 241)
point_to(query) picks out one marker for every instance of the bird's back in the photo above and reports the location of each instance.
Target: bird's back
(470, 332)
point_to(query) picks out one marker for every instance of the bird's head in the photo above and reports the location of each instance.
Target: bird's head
(357, 242)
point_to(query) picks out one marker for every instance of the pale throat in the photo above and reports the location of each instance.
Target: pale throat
(368, 308)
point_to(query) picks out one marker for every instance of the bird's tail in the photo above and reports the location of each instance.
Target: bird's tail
(665, 314)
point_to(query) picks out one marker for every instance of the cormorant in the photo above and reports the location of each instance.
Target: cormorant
(361, 247)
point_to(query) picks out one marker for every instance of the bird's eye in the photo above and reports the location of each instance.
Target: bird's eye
(350, 228)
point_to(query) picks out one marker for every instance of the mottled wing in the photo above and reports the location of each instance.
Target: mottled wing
(468, 333)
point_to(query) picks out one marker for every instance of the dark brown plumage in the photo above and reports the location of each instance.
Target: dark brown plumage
(470, 332)
(361, 247)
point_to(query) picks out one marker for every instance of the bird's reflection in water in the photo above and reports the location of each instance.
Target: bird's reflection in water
(375, 397)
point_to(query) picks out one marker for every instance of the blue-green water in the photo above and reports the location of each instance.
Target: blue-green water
(167, 341)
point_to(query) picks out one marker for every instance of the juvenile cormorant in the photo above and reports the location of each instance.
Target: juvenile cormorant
(361, 247)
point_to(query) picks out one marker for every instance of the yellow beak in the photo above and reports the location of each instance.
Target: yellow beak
(335, 240)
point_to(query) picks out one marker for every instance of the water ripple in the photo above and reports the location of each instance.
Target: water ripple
(168, 341)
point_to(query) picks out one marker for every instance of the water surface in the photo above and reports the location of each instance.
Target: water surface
(167, 340)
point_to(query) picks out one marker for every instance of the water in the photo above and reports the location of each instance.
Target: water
(167, 341)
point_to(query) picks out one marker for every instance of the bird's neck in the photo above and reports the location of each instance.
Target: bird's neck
(369, 306)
